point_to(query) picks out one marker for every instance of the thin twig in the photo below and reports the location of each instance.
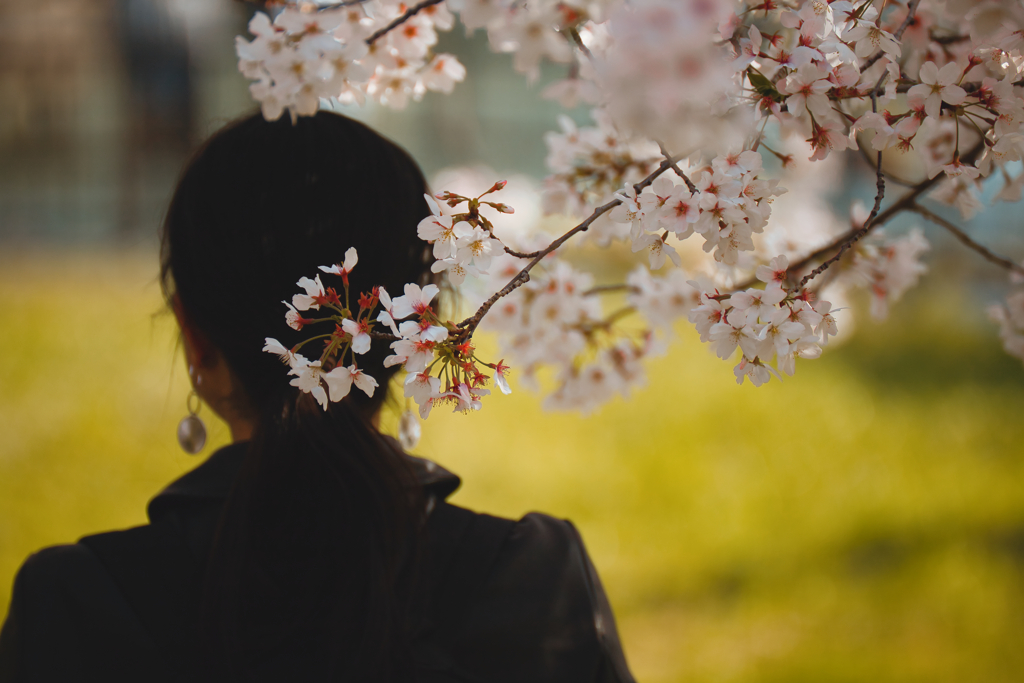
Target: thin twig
(578, 40)
(409, 14)
(869, 224)
(607, 322)
(888, 174)
(986, 253)
(948, 40)
(675, 167)
(338, 5)
(900, 205)
(263, 4)
(911, 10)
(470, 324)
(605, 289)
(520, 254)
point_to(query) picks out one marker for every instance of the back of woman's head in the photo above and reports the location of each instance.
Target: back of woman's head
(310, 566)
(263, 204)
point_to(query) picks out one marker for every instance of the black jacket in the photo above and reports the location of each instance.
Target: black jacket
(509, 601)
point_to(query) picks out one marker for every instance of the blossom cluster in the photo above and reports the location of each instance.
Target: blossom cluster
(463, 243)
(888, 267)
(421, 345)
(305, 54)
(588, 165)
(667, 74)
(770, 324)
(842, 74)
(551, 321)
(727, 205)
(691, 99)
(557, 321)
(1010, 317)
(532, 31)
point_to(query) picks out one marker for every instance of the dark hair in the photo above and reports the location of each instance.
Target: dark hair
(324, 514)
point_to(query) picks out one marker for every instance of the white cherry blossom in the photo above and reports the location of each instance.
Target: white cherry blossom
(293, 319)
(467, 398)
(314, 290)
(413, 351)
(309, 379)
(475, 244)
(938, 86)
(287, 356)
(359, 331)
(773, 274)
(414, 301)
(340, 380)
(343, 269)
(421, 387)
(870, 39)
(807, 87)
(386, 315)
(657, 250)
(500, 370)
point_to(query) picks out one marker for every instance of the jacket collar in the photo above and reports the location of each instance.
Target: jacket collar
(212, 480)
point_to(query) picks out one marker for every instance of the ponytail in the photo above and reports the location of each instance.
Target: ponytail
(320, 524)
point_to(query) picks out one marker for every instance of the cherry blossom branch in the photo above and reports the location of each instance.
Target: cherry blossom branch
(985, 252)
(520, 254)
(406, 16)
(888, 175)
(609, 321)
(606, 289)
(675, 167)
(911, 11)
(334, 5)
(470, 324)
(869, 224)
(948, 40)
(902, 204)
(577, 39)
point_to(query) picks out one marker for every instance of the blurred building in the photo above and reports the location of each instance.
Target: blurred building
(100, 102)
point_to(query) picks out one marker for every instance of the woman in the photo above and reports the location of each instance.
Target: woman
(312, 548)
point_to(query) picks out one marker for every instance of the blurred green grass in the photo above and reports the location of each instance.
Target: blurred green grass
(863, 521)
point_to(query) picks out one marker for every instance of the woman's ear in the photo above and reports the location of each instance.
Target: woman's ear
(198, 350)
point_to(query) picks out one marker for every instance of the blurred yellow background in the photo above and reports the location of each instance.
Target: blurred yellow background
(863, 521)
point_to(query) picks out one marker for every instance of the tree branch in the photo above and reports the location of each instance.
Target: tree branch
(911, 10)
(864, 229)
(578, 40)
(888, 176)
(900, 205)
(409, 14)
(985, 252)
(262, 4)
(675, 167)
(380, 33)
(519, 254)
(470, 324)
(604, 289)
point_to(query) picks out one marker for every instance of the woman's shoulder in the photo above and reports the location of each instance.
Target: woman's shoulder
(62, 580)
(520, 599)
(57, 591)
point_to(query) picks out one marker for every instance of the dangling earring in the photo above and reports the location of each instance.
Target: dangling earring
(191, 430)
(409, 429)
